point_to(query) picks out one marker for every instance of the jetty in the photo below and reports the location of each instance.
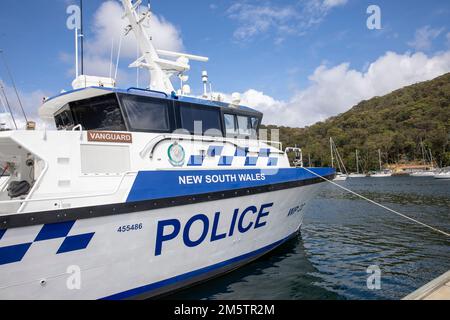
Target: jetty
(438, 289)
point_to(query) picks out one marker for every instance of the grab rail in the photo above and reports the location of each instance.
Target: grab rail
(147, 90)
(78, 127)
(71, 197)
(152, 144)
(35, 186)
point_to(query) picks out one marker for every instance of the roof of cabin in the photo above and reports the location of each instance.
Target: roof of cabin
(53, 104)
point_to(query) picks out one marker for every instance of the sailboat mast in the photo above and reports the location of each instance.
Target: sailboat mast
(431, 159)
(331, 151)
(379, 158)
(422, 148)
(357, 162)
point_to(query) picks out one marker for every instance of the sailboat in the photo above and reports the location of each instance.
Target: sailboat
(357, 174)
(444, 173)
(342, 174)
(383, 173)
(425, 173)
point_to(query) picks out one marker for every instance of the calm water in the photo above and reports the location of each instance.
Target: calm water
(342, 236)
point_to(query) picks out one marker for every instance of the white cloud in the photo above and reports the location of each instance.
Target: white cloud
(108, 27)
(424, 37)
(108, 24)
(334, 90)
(334, 3)
(295, 19)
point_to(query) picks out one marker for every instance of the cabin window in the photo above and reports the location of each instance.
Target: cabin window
(209, 119)
(247, 126)
(146, 114)
(244, 125)
(100, 113)
(63, 119)
(254, 123)
(230, 123)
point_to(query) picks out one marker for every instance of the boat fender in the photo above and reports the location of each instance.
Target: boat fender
(18, 188)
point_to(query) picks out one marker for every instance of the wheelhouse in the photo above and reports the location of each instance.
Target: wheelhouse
(150, 111)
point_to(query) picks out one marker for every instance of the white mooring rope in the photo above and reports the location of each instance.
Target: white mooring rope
(379, 205)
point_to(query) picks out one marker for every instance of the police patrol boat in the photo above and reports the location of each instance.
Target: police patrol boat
(140, 192)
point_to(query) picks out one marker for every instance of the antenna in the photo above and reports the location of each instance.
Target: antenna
(112, 57)
(205, 82)
(118, 57)
(14, 85)
(77, 68)
(82, 37)
(7, 103)
(161, 70)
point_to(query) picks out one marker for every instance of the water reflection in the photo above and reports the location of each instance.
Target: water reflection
(343, 235)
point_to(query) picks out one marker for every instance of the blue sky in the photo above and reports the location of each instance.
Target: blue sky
(270, 47)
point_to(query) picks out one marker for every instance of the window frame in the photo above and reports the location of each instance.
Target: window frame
(236, 127)
(65, 109)
(170, 113)
(242, 113)
(70, 107)
(186, 104)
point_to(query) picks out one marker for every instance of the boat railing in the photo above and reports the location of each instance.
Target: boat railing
(151, 146)
(59, 199)
(147, 91)
(35, 187)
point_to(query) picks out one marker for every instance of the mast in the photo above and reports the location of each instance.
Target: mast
(331, 150)
(160, 69)
(379, 158)
(2, 89)
(81, 37)
(431, 159)
(357, 162)
(422, 148)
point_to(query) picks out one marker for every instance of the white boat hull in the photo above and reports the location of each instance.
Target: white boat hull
(341, 178)
(423, 174)
(357, 176)
(442, 176)
(381, 175)
(146, 253)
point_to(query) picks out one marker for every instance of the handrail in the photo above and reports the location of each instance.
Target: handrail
(73, 197)
(5, 184)
(78, 127)
(162, 138)
(35, 186)
(147, 90)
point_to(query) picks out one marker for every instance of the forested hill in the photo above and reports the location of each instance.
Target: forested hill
(395, 123)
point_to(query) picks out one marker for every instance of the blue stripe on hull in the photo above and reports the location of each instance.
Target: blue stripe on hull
(147, 289)
(150, 185)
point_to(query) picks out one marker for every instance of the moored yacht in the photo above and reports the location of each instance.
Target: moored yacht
(342, 174)
(382, 173)
(444, 173)
(357, 174)
(140, 192)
